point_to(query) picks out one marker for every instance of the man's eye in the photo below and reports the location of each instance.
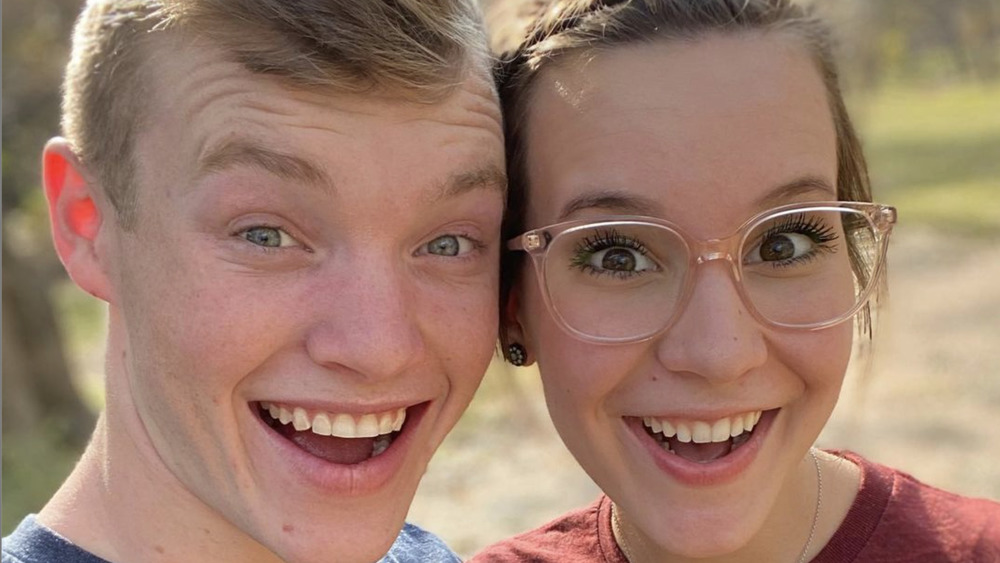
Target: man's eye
(270, 237)
(450, 245)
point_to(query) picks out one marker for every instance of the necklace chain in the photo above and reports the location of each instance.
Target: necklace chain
(619, 532)
(819, 504)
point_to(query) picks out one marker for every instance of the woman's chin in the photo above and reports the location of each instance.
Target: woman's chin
(698, 534)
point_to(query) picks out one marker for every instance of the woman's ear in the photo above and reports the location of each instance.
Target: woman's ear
(75, 216)
(514, 341)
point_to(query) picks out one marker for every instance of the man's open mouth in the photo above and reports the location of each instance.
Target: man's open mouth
(345, 439)
(702, 441)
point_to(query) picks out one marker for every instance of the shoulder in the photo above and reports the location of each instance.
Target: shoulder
(965, 528)
(572, 537)
(895, 513)
(32, 542)
(416, 545)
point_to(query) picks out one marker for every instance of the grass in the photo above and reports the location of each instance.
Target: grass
(936, 155)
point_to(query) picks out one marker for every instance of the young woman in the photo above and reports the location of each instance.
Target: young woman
(695, 207)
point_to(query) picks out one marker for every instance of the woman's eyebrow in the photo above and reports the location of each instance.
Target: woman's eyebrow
(611, 200)
(798, 187)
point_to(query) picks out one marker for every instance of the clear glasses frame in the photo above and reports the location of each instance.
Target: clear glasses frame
(537, 242)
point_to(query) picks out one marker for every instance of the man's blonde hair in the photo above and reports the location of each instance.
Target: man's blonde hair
(418, 50)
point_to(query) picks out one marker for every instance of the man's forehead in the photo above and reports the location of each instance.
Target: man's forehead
(213, 114)
(191, 70)
(207, 85)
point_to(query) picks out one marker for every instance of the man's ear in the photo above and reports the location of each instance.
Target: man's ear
(513, 330)
(75, 216)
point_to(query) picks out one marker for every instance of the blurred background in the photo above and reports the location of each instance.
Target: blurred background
(922, 79)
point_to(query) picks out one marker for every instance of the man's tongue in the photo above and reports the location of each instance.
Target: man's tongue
(345, 451)
(700, 453)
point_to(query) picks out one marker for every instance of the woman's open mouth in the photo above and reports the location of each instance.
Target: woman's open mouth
(340, 438)
(702, 441)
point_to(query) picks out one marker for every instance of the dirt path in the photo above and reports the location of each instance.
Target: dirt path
(930, 405)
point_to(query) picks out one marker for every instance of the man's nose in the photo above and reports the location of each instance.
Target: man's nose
(367, 322)
(715, 336)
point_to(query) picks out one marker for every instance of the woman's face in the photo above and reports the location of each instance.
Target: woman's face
(704, 134)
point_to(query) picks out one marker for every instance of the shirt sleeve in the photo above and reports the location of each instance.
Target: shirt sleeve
(415, 545)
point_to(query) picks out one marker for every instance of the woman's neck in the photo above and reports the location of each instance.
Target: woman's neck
(798, 526)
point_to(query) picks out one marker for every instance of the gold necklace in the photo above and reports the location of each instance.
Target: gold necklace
(620, 538)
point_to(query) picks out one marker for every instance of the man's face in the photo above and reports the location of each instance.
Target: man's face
(304, 263)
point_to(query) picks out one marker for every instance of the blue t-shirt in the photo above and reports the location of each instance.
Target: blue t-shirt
(33, 543)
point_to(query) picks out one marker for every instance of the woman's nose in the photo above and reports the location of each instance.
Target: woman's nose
(715, 336)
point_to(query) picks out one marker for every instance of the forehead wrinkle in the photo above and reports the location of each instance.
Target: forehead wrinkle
(240, 152)
(477, 117)
(231, 94)
(472, 105)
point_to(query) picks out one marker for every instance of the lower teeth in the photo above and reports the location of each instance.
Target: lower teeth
(381, 444)
(734, 442)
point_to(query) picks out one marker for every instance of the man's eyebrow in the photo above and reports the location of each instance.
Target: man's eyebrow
(248, 153)
(615, 201)
(787, 192)
(489, 177)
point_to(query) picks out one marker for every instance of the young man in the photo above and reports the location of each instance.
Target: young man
(292, 210)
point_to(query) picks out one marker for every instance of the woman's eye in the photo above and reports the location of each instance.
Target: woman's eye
(783, 246)
(619, 259)
(792, 240)
(610, 252)
(269, 237)
(449, 245)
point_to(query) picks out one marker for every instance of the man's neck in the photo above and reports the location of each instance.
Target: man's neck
(122, 503)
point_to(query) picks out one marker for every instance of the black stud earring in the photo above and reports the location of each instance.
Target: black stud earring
(517, 354)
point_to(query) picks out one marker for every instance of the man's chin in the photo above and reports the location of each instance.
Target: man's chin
(360, 533)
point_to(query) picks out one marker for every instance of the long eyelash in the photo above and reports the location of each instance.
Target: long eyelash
(602, 240)
(812, 227)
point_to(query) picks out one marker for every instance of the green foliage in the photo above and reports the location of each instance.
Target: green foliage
(935, 154)
(34, 465)
(83, 323)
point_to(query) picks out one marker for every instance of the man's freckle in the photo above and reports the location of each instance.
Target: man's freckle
(288, 528)
(159, 549)
(654, 378)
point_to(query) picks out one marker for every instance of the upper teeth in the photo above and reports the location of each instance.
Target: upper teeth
(339, 425)
(701, 432)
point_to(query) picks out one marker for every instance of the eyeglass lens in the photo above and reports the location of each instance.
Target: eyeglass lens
(628, 279)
